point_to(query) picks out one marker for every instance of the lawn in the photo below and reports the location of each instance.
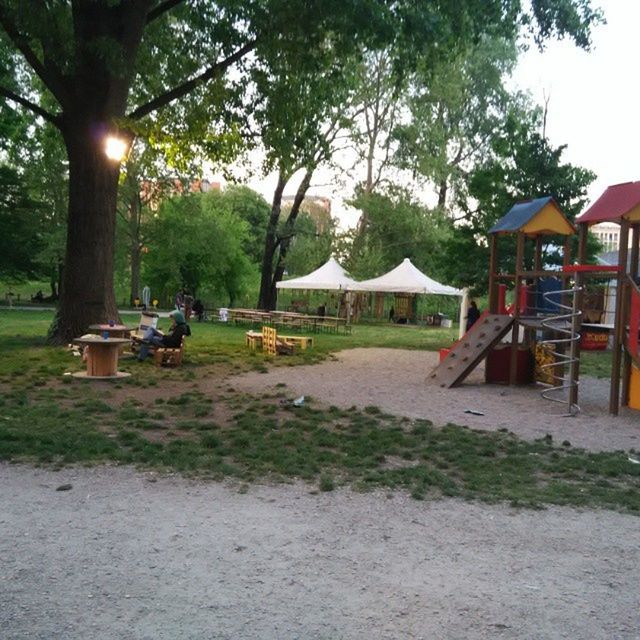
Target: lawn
(163, 419)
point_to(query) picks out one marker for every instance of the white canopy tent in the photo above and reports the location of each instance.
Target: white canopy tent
(330, 277)
(405, 278)
(408, 279)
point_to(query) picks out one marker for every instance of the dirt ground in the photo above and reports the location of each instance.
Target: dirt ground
(396, 381)
(127, 554)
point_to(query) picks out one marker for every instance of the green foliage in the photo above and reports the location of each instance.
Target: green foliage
(197, 244)
(522, 166)
(20, 222)
(310, 248)
(398, 227)
(456, 106)
(253, 209)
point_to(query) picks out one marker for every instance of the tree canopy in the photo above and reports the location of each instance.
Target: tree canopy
(523, 165)
(93, 68)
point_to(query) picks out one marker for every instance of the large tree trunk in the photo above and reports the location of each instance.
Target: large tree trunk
(93, 100)
(266, 299)
(87, 294)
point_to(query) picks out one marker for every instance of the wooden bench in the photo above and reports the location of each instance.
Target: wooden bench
(257, 339)
(301, 341)
(253, 339)
(169, 356)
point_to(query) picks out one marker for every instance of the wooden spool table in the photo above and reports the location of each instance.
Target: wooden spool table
(114, 330)
(102, 357)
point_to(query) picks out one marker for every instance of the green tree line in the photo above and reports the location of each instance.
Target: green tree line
(205, 80)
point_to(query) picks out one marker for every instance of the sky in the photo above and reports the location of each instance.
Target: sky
(593, 107)
(594, 96)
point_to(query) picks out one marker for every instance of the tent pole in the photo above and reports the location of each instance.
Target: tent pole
(464, 308)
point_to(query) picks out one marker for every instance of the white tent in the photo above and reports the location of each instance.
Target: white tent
(405, 278)
(330, 276)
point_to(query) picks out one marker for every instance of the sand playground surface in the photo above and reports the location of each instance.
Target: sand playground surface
(396, 381)
(138, 555)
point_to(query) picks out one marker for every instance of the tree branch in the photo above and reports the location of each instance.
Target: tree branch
(181, 90)
(161, 9)
(7, 93)
(48, 74)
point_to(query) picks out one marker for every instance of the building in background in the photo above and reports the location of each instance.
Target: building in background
(608, 233)
(318, 208)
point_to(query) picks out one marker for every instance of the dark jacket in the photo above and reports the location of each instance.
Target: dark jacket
(174, 339)
(472, 316)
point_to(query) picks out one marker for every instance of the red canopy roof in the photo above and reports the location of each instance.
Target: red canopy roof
(613, 204)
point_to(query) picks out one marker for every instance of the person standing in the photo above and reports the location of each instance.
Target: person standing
(472, 314)
(146, 297)
(179, 300)
(188, 305)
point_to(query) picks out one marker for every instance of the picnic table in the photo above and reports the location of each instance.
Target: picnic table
(249, 315)
(101, 357)
(291, 320)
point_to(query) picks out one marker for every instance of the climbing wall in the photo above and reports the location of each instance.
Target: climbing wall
(470, 349)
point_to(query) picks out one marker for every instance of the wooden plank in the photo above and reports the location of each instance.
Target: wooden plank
(302, 341)
(470, 350)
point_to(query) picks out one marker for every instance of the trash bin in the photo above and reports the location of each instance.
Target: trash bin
(223, 314)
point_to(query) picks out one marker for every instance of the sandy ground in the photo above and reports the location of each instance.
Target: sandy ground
(132, 555)
(396, 381)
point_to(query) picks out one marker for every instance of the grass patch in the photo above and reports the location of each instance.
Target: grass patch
(163, 420)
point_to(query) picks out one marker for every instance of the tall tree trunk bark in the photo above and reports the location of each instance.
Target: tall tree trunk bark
(442, 194)
(265, 298)
(135, 271)
(87, 295)
(94, 98)
(286, 242)
(136, 246)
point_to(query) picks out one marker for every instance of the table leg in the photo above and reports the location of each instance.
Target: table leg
(102, 360)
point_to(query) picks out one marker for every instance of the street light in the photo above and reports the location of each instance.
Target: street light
(115, 148)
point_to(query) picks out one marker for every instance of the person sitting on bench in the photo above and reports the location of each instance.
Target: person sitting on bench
(154, 338)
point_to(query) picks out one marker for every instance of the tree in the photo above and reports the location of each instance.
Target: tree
(47, 179)
(299, 114)
(40, 170)
(523, 165)
(312, 245)
(378, 102)
(95, 60)
(195, 243)
(254, 210)
(398, 227)
(456, 108)
(20, 225)
(145, 181)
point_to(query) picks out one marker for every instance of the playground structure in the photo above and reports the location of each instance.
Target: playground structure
(548, 304)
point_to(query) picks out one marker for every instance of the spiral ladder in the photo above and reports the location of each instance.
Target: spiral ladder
(563, 349)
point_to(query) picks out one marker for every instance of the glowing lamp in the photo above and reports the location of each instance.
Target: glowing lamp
(115, 148)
